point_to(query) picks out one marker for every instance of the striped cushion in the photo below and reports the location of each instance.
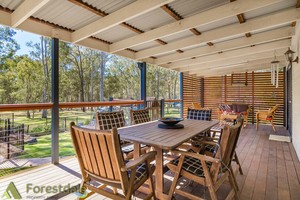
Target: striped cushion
(109, 120)
(225, 107)
(192, 165)
(140, 116)
(199, 114)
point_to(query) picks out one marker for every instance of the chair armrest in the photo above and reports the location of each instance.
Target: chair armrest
(197, 156)
(206, 140)
(134, 163)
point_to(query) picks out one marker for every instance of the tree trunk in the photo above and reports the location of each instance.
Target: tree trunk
(46, 73)
(102, 69)
(28, 114)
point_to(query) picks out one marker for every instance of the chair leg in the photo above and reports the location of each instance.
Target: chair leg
(234, 179)
(257, 122)
(231, 181)
(151, 186)
(173, 186)
(238, 162)
(273, 126)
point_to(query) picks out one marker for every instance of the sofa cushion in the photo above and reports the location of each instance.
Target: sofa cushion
(241, 108)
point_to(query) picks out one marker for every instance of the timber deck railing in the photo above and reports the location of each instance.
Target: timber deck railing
(39, 106)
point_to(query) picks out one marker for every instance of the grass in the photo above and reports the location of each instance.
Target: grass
(42, 148)
(5, 172)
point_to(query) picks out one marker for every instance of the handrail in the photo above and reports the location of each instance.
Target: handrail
(39, 106)
(99, 103)
(172, 100)
(25, 106)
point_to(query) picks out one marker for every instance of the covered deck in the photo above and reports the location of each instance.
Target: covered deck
(223, 50)
(271, 171)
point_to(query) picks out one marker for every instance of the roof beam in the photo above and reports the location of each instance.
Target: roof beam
(267, 36)
(203, 18)
(231, 54)
(259, 23)
(25, 10)
(242, 68)
(103, 14)
(126, 13)
(236, 65)
(231, 61)
(50, 30)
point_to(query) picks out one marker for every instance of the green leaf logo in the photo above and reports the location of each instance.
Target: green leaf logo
(11, 192)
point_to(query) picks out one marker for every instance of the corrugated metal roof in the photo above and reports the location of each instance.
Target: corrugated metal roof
(115, 34)
(11, 4)
(109, 6)
(62, 13)
(177, 36)
(187, 8)
(217, 24)
(151, 20)
(269, 9)
(145, 46)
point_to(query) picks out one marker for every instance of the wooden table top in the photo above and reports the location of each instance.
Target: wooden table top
(150, 134)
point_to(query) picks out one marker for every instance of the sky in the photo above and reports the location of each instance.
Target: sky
(22, 37)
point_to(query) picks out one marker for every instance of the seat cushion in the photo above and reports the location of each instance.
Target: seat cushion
(191, 165)
(141, 172)
(199, 114)
(127, 148)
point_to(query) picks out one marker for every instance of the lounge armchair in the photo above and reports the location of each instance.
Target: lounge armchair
(101, 161)
(266, 115)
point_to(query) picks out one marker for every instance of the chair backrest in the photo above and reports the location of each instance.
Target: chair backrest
(273, 110)
(99, 155)
(196, 105)
(199, 114)
(140, 116)
(109, 120)
(227, 143)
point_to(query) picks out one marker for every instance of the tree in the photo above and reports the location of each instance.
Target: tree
(41, 52)
(28, 78)
(8, 45)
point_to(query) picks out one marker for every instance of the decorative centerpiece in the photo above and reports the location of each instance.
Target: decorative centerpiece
(170, 123)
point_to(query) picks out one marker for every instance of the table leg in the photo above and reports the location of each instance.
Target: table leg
(159, 175)
(137, 150)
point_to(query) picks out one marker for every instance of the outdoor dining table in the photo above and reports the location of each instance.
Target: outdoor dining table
(162, 139)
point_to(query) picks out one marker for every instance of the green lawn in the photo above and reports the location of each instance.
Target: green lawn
(42, 148)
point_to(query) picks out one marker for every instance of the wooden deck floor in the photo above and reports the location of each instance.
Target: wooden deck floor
(271, 171)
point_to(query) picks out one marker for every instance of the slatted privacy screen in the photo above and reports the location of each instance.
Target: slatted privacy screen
(213, 93)
(259, 93)
(191, 91)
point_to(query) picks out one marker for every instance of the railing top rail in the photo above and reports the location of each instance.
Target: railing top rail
(38, 106)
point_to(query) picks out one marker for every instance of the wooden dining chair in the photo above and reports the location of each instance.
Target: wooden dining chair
(116, 119)
(100, 159)
(139, 116)
(210, 172)
(266, 115)
(209, 145)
